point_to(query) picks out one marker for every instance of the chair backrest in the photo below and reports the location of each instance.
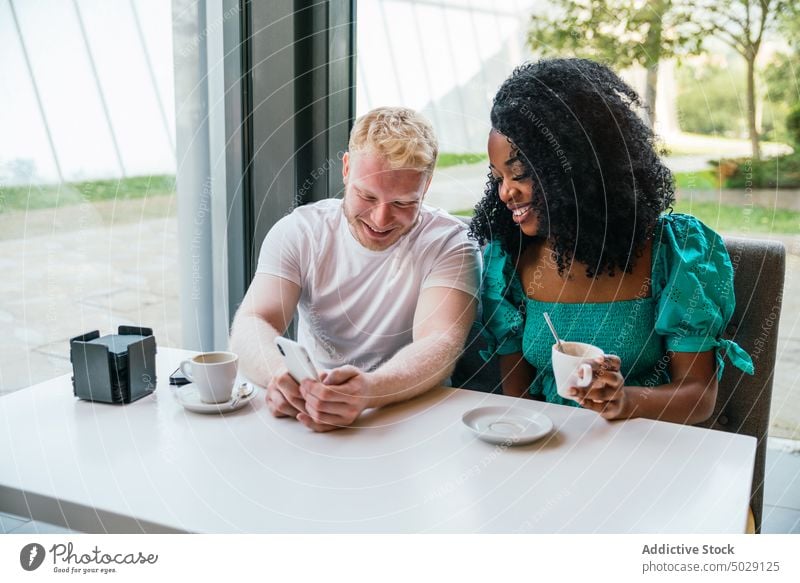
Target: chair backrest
(743, 401)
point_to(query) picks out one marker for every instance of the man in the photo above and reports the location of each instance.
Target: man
(385, 288)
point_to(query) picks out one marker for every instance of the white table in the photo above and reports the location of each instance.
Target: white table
(152, 466)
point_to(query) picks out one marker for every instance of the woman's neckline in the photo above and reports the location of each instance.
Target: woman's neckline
(648, 280)
(640, 299)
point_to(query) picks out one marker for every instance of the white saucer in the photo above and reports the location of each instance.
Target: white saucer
(188, 396)
(507, 425)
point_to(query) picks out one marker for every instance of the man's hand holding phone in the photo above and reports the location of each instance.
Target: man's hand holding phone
(321, 401)
(337, 400)
(283, 396)
(283, 392)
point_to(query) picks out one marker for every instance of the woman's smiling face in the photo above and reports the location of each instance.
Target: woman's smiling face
(514, 185)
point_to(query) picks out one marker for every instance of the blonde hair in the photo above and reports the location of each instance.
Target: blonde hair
(400, 135)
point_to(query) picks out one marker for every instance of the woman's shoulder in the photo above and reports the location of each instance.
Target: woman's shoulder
(499, 271)
(494, 249)
(682, 230)
(687, 251)
(682, 239)
(495, 258)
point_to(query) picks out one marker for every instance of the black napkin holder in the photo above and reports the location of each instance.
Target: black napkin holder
(118, 368)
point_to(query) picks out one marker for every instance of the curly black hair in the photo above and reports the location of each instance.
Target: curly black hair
(598, 182)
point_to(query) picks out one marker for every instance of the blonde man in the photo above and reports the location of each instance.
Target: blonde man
(384, 286)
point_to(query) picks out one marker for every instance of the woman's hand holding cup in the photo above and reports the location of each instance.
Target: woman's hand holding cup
(585, 374)
(606, 394)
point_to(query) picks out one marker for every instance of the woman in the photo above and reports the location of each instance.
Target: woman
(573, 218)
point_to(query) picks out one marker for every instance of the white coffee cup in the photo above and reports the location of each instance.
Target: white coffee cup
(572, 367)
(213, 373)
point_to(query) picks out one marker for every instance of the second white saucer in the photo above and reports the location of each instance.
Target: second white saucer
(507, 425)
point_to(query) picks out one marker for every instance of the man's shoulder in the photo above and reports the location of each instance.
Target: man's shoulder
(317, 217)
(313, 219)
(323, 210)
(440, 225)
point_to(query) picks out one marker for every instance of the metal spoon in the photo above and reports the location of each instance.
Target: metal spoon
(244, 391)
(553, 330)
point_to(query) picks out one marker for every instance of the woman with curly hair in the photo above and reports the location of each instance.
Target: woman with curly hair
(575, 224)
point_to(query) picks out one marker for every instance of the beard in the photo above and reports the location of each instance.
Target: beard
(369, 237)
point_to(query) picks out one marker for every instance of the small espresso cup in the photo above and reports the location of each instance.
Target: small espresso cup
(573, 366)
(213, 373)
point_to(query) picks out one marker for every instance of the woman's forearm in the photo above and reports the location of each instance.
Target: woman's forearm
(687, 402)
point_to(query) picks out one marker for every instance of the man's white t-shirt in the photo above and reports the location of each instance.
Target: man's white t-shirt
(356, 305)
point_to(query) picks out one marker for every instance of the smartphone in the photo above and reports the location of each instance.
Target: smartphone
(297, 360)
(178, 379)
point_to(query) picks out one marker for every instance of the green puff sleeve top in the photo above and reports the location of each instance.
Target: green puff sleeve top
(691, 303)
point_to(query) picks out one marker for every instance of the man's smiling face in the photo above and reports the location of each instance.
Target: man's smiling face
(381, 204)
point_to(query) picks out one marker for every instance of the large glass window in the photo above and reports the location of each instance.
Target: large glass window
(445, 59)
(88, 229)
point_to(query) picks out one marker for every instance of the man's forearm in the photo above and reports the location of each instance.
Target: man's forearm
(253, 339)
(420, 366)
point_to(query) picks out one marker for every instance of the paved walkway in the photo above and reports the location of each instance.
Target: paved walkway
(81, 268)
(86, 267)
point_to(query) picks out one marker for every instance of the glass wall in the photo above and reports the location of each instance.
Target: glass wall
(88, 230)
(446, 59)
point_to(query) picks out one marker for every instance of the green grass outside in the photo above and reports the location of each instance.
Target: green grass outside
(723, 218)
(729, 218)
(702, 180)
(447, 159)
(53, 195)
(740, 219)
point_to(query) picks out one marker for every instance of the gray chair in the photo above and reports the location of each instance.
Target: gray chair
(743, 401)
